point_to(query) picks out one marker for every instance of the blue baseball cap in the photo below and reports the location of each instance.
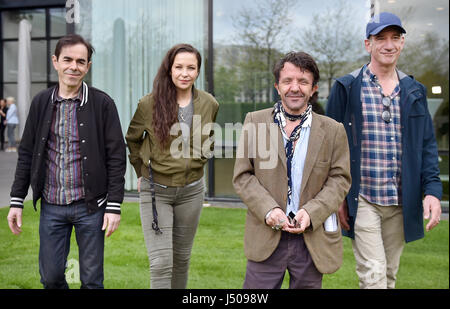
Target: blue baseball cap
(380, 21)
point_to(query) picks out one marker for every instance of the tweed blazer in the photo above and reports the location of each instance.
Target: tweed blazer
(260, 179)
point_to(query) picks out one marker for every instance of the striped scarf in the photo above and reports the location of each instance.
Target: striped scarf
(280, 119)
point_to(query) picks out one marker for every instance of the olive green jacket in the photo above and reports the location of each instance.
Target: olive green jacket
(172, 165)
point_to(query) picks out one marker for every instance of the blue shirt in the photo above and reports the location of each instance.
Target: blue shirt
(11, 115)
(298, 163)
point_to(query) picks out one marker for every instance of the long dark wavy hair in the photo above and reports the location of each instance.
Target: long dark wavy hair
(165, 110)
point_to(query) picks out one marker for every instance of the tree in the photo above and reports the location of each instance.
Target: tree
(261, 30)
(332, 39)
(428, 53)
(427, 59)
(226, 84)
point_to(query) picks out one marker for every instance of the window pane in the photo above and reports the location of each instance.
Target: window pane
(53, 74)
(10, 90)
(10, 61)
(223, 176)
(11, 19)
(246, 48)
(130, 42)
(426, 57)
(36, 88)
(58, 22)
(39, 61)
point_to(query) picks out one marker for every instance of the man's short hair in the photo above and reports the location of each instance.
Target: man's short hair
(70, 40)
(301, 60)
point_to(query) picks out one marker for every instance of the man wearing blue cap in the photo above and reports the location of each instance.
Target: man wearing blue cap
(394, 157)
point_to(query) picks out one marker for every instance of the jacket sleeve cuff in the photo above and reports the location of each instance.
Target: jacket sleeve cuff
(16, 202)
(112, 207)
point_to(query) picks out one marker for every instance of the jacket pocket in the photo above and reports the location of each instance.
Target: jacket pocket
(322, 164)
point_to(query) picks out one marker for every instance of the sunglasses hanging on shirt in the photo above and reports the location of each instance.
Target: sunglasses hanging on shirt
(386, 114)
(386, 101)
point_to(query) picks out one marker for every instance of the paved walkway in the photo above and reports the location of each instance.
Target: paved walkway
(8, 161)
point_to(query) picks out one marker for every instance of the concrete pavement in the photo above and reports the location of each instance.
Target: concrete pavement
(8, 161)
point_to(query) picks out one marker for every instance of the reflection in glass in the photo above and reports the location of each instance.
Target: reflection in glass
(53, 73)
(426, 57)
(57, 22)
(11, 19)
(223, 176)
(38, 61)
(130, 43)
(250, 36)
(10, 90)
(10, 61)
(37, 87)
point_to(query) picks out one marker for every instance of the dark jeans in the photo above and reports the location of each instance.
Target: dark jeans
(55, 229)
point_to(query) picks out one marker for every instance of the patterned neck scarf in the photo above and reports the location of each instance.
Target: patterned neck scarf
(280, 119)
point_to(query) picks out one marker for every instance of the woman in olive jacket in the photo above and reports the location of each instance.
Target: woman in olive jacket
(170, 138)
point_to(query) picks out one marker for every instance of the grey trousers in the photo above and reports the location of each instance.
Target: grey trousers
(169, 253)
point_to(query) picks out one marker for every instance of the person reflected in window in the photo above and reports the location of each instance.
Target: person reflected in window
(166, 139)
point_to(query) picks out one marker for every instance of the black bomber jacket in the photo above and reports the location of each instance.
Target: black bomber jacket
(102, 148)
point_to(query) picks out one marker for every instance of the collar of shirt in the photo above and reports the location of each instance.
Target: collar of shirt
(81, 96)
(58, 99)
(372, 78)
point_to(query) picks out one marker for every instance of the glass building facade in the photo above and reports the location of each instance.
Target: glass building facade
(239, 42)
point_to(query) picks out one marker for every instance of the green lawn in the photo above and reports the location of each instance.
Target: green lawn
(218, 261)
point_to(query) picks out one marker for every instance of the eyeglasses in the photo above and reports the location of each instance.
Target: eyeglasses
(386, 115)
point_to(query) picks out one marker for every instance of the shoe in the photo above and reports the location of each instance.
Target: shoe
(8, 149)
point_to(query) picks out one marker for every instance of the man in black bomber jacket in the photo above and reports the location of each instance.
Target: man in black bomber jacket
(73, 154)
